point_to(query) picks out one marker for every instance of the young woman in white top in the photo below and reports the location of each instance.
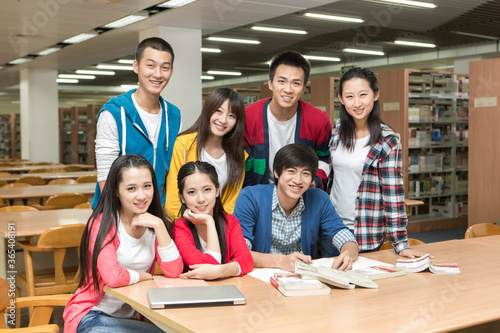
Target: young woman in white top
(217, 137)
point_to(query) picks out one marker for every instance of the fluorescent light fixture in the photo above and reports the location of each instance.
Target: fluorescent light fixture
(80, 38)
(127, 20)
(19, 61)
(91, 72)
(175, 3)
(444, 67)
(126, 61)
(379, 53)
(16, 102)
(116, 67)
(67, 81)
(2, 93)
(311, 57)
(285, 31)
(224, 73)
(76, 76)
(233, 40)
(129, 86)
(334, 18)
(412, 3)
(210, 50)
(404, 42)
(1, 67)
(474, 35)
(48, 51)
(207, 77)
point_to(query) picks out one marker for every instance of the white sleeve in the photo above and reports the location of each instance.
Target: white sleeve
(107, 145)
(134, 276)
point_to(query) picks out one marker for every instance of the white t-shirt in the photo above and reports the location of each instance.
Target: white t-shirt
(281, 133)
(347, 172)
(220, 165)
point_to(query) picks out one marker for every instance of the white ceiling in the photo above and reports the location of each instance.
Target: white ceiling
(28, 26)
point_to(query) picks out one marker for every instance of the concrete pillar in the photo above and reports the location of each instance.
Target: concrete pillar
(184, 89)
(39, 115)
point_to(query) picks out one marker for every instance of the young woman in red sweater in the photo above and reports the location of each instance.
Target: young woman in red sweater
(126, 234)
(210, 241)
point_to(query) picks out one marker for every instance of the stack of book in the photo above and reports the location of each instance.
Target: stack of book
(290, 284)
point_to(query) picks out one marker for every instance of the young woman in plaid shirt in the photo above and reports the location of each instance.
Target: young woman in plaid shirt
(368, 190)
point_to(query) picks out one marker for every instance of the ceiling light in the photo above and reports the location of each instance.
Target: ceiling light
(127, 20)
(413, 3)
(175, 3)
(474, 35)
(76, 76)
(285, 31)
(85, 71)
(1, 67)
(126, 61)
(334, 18)
(116, 67)
(379, 53)
(210, 50)
(48, 51)
(80, 38)
(234, 40)
(19, 61)
(207, 77)
(224, 73)
(67, 81)
(2, 93)
(311, 57)
(129, 86)
(404, 42)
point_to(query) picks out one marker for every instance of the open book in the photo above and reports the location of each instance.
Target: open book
(373, 269)
(334, 277)
(423, 263)
(290, 284)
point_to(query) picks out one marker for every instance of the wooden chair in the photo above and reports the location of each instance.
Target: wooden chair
(17, 208)
(42, 310)
(62, 181)
(52, 281)
(38, 170)
(87, 179)
(72, 168)
(63, 200)
(32, 180)
(482, 230)
(4, 173)
(43, 163)
(2, 183)
(412, 241)
(85, 205)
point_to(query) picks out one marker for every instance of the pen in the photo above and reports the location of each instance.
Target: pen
(298, 248)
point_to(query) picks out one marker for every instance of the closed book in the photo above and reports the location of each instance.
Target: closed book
(296, 282)
(304, 292)
(378, 272)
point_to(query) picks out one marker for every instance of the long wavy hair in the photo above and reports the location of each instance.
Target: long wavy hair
(218, 212)
(234, 141)
(347, 133)
(109, 206)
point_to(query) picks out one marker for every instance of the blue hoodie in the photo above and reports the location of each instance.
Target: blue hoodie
(134, 139)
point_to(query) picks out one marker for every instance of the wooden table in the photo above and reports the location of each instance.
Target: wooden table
(49, 175)
(417, 302)
(26, 168)
(34, 223)
(40, 191)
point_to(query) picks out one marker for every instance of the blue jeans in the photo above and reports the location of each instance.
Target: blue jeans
(97, 321)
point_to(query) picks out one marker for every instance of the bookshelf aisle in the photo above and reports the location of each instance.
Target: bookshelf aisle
(430, 111)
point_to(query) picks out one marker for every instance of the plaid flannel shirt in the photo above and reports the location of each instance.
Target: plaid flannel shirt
(380, 205)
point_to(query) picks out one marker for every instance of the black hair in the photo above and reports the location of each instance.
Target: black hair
(295, 155)
(218, 212)
(109, 206)
(347, 133)
(233, 141)
(290, 58)
(156, 43)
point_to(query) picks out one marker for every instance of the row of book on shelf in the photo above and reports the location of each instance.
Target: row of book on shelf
(425, 136)
(437, 185)
(437, 161)
(437, 112)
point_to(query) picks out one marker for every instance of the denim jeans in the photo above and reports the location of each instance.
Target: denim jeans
(97, 321)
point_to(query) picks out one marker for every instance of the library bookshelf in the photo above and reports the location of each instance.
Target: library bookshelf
(10, 136)
(430, 111)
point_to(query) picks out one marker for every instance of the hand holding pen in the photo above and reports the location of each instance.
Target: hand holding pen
(288, 262)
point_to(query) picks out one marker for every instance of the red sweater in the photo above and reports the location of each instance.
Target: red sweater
(109, 273)
(237, 249)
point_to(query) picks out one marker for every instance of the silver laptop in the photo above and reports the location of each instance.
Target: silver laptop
(160, 298)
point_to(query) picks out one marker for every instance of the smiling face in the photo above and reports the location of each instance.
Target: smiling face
(135, 191)
(358, 99)
(199, 193)
(154, 70)
(222, 120)
(291, 184)
(287, 87)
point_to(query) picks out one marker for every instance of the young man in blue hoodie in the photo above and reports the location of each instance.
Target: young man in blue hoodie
(140, 121)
